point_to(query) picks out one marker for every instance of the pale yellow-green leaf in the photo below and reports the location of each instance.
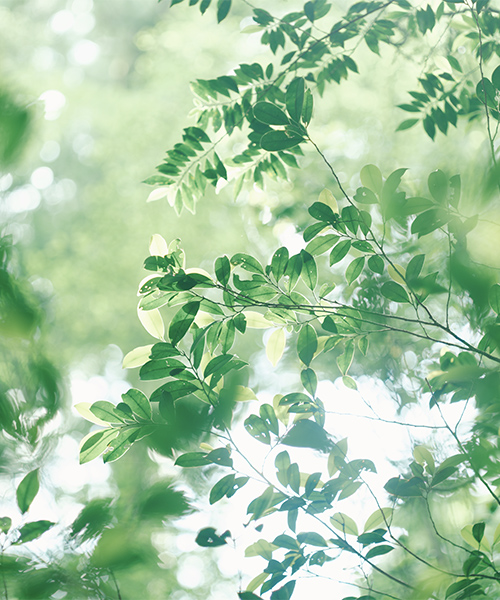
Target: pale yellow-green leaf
(152, 322)
(371, 178)
(276, 346)
(158, 193)
(83, 408)
(344, 524)
(199, 271)
(304, 477)
(206, 447)
(137, 357)
(157, 245)
(203, 318)
(496, 536)
(240, 393)
(256, 582)
(261, 548)
(422, 455)
(256, 320)
(326, 197)
(251, 29)
(484, 546)
(377, 518)
(397, 274)
(281, 411)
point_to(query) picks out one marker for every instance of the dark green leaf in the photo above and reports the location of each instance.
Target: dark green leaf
(269, 113)
(258, 429)
(321, 244)
(192, 459)
(223, 7)
(182, 321)
(273, 141)
(33, 530)
(344, 361)
(307, 434)
(221, 488)
(27, 490)
(354, 269)
(378, 551)
(222, 269)
(309, 270)
(395, 292)
(429, 221)
(438, 186)
(268, 415)
(494, 298)
(376, 264)
(340, 251)
(307, 343)
(279, 263)
(207, 538)
(415, 267)
(478, 531)
(294, 98)
(322, 212)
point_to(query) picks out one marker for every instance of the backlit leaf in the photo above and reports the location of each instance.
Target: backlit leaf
(275, 346)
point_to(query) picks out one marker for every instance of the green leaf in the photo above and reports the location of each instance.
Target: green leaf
(415, 267)
(364, 195)
(340, 251)
(407, 124)
(309, 381)
(33, 530)
(193, 459)
(258, 429)
(438, 186)
(371, 178)
(354, 269)
(494, 298)
(429, 221)
(207, 538)
(138, 402)
(307, 434)
(344, 524)
(293, 270)
(223, 8)
(394, 292)
(344, 361)
(307, 343)
(221, 488)
(5, 524)
(276, 346)
(182, 321)
(269, 113)
(106, 411)
(321, 244)
(286, 541)
(94, 445)
(378, 551)
(27, 490)
(247, 262)
(478, 531)
(275, 140)
(222, 269)
(279, 262)
(309, 270)
(322, 212)
(311, 483)
(376, 264)
(294, 98)
(121, 443)
(379, 517)
(458, 586)
(268, 415)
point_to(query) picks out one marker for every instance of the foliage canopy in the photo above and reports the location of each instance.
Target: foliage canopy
(383, 293)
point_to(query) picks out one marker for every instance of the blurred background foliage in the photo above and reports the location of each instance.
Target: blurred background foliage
(91, 95)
